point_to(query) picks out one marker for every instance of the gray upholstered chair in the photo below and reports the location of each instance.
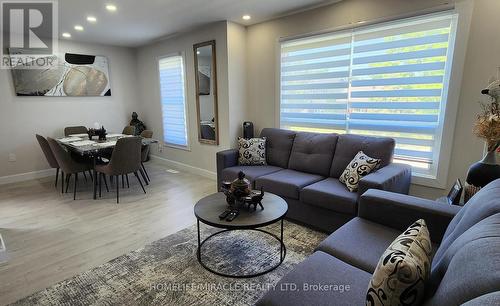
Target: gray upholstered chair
(129, 130)
(145, 151)
(126, 158)
(47, 151)
(68, 165)
(147, 134)
(70, 130)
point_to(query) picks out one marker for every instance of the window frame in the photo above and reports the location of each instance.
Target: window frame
(455, 64)
(186, 106)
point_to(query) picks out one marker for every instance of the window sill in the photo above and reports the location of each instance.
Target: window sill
(172, 146)
(427, 181)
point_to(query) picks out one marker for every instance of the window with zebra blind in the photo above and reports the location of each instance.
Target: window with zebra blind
(173, 101)
(388, 79)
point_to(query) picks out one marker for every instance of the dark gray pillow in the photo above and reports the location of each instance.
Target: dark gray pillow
(313, 152)
(349, 145)
(278, 146)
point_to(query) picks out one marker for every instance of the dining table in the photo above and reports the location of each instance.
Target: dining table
(94, 148)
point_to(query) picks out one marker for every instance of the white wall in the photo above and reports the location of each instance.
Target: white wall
(238, 106)
(481, 62)
(200, 155)
(23, 117)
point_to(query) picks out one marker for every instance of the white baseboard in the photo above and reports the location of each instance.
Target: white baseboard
(26, 176)
(185, 167)
(21, 177)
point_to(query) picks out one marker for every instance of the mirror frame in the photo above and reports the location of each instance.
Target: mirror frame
(197, 90)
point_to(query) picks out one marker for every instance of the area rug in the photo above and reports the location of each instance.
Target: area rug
(166, 272)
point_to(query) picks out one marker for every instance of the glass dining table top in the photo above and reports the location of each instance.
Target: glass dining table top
(81, 143)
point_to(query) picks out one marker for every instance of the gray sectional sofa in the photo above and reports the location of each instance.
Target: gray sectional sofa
(304, 168)
(465, 268)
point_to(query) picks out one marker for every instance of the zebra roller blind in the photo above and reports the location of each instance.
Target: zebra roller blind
(173, 102)
(388, 79)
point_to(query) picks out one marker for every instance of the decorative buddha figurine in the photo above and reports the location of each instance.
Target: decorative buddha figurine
(240, 187)
(138, 124)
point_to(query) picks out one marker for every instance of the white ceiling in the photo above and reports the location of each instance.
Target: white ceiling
(139, 22)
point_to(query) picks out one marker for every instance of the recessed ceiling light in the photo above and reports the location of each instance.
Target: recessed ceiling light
(78, 28)
(66, 35)
(111, 7)
(246, 17)
(91, 19)
(198, 52)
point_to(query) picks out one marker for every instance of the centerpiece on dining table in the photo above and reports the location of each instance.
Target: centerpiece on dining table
(100, 132)
(239, 193)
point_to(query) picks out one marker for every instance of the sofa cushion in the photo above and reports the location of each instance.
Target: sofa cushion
(482, 205)
(251, 172)
(286, 183)
(330, 194)
(349, 145)
(360, 243)
(487, 228)
(490, 299)
(403, 269)
(474, 270)
(313, 152)
(278, 146)
(320, 269)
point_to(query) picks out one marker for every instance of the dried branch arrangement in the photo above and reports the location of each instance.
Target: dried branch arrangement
(487, 125)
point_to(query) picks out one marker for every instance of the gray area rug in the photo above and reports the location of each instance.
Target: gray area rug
(166, 272)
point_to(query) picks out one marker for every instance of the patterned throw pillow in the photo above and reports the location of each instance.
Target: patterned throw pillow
(252, 151)
(360, 166)
(403, 269)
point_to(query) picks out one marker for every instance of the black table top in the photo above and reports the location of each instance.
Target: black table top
(208, 209)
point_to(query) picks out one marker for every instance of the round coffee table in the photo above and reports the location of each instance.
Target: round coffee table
(208, 209)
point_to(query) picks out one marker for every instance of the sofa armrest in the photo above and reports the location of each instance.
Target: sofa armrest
(393, 177)
(225, 159)
(400, 211)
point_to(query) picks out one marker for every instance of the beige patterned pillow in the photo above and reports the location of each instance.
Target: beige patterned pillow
(252, 152)
(403, 269)
(360, 166)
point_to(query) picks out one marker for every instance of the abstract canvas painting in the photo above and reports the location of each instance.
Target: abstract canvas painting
(71, 75)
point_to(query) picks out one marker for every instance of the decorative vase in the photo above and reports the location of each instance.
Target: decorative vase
(485, 171)
(240, 187)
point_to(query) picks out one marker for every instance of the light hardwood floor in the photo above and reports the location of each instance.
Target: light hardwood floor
(50, 237)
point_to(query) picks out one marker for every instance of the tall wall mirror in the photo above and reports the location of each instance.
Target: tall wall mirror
(206, 92)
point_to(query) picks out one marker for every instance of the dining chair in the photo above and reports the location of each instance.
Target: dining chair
(47, 151)
(129, 130)
(69, 166)
(70, 130)
(126, 158)
(145, 151)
